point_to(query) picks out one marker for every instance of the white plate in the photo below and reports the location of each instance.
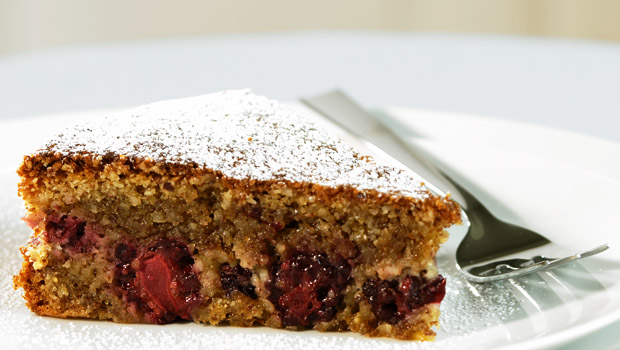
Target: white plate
(560, 183)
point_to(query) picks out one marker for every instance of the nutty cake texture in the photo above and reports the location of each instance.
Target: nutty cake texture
(228, 207)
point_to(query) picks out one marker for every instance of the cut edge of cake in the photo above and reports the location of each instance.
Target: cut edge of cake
(156, 234)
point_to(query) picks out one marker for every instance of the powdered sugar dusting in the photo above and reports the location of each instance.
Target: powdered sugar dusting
(243, 135)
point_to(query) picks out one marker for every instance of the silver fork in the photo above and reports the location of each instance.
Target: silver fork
(492, 249)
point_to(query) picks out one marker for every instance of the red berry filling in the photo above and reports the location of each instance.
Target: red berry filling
(164, 286)
(391, 302)
(70, 232)
(237, 278)
(307, 288)
(124, 274)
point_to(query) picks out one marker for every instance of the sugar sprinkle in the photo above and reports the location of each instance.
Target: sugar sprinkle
(243, 135)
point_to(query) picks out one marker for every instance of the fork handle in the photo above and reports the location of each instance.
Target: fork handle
(339, 108)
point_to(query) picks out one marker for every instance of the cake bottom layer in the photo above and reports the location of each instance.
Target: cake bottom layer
(75, 269)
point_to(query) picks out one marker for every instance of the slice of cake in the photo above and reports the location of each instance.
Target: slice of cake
(228, 207)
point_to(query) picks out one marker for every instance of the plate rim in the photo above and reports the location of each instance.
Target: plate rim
(557, 338)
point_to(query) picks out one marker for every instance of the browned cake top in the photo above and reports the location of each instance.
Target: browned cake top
(241, 135)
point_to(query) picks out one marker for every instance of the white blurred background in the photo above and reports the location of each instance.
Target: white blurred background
(27, 25)
(550, 62)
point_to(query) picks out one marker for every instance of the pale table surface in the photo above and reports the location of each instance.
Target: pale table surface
(567, 84)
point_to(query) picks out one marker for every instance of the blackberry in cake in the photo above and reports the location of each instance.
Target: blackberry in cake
(228, 207)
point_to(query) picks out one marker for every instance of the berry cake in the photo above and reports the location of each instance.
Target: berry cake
(229, 207)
